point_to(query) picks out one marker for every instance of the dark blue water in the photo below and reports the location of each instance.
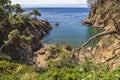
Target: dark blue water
(70, 29)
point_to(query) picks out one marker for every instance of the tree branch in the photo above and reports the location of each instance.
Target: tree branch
(92, 38)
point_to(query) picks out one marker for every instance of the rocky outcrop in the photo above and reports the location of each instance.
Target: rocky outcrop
(19, 51)
(21, 47)
(108, 51)
(51, 52)
(105, 14)
(99, 15)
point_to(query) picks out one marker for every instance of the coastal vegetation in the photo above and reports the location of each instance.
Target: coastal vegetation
(35, 13)
(23, 57)
(60, 70)
(20, 34)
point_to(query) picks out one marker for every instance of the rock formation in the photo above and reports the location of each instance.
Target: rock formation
(105, 14)
(22, 46)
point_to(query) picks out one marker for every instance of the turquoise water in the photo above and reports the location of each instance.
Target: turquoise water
(70, 29)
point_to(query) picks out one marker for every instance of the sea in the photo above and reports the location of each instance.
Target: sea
(70, 29)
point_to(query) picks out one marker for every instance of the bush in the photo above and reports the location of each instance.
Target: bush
(55, 49)
(12, 33)
(5, 57)
(65, 69)
(85, 71)
(15, 19)
(79, 73)
(13, 71)
(26, 38)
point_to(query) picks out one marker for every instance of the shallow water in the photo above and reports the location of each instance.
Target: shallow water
(70, 29)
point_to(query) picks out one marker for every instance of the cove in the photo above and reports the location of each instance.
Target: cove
(70, 29)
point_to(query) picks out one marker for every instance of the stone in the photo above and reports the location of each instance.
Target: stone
(35, 43)
(42, 51)
(87, 22)
(89, 48)
(56, 24)
(67, 47)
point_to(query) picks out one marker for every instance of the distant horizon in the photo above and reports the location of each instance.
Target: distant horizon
(51, 7)
(31, 6)
(51, 3)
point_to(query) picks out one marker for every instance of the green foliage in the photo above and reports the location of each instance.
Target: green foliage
(54, 49)
(11, 19)
(26, 38)
(5, 57)
(112, 40)
(19, 20)
(84, 71)
(15, 19)
(115, 9)
(37, 24)
(63, 69)
(11, 12)
(64, 62)
(69, 69)
(87, 70)
(3, 14)
(22, 37)
(13, 71)
(61, 74)
(12, 33)
(17, 8)
(24, 16)
(35, 13)
(4, 2)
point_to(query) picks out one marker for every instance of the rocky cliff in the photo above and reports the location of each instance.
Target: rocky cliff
(105, 14)
(21, 40)
(102, 12)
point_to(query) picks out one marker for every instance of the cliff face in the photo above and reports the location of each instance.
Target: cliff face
(21, 40)
(105, 14)
(99, 15)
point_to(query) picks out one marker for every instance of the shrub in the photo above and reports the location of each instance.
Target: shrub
(12, 33)
(35, 12)
(15, 19)
(5, 57)
(85, 71)
(26, 38)
(55, 49)
(13, 71)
